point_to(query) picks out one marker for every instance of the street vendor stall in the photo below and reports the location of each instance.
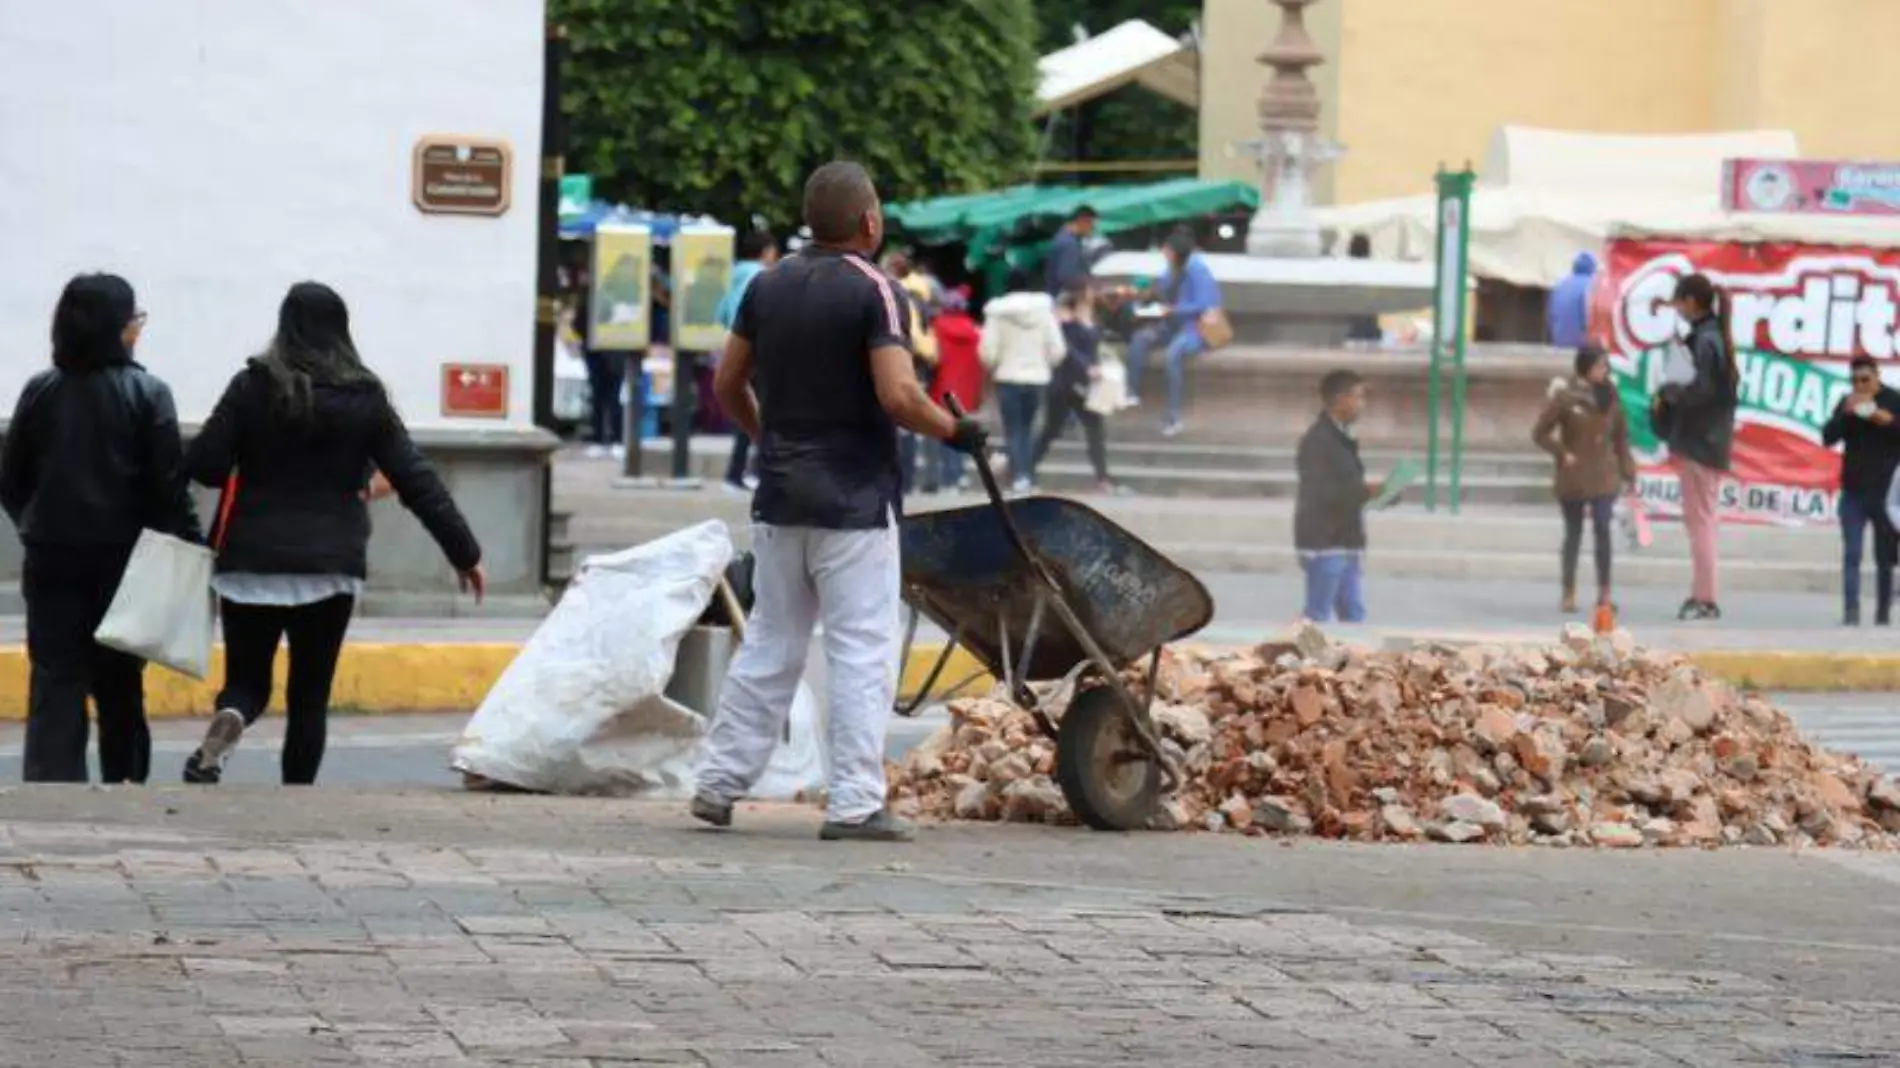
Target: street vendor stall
(1008, 229)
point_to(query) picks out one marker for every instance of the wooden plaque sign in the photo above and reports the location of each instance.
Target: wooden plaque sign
(462, 175)
(475, 390)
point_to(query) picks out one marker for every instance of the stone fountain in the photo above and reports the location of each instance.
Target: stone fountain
(1282, 290)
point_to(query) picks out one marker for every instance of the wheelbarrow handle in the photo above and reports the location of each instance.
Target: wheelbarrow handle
(995, 491)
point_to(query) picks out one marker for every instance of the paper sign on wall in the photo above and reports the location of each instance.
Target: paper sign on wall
(475, 390)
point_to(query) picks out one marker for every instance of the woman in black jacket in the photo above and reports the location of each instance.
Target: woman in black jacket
(1696, 418)
(92, 458)
(295, 439)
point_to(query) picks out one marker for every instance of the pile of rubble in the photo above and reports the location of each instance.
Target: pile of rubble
(1587, 742)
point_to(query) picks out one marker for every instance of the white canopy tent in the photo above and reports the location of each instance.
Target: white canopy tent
(1545, 195)
(1131, 52)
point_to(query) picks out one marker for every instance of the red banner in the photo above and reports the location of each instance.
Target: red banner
(1798, 314)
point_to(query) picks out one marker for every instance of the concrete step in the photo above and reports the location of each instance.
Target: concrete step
(1166, 470)
(602, 515)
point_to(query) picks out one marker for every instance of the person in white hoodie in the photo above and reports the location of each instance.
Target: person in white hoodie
(1022, 343)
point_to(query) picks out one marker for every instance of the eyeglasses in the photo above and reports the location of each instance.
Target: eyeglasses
(138, 318)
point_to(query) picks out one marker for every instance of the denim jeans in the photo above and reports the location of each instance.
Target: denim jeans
(1183, 343)
(1334, 586)
(1019, 404)
(1856, 514)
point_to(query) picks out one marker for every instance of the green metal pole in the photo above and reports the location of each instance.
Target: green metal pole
(1459, 234)
(1432, 371)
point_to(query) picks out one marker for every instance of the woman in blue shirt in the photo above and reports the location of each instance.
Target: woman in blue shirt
(1189, 291)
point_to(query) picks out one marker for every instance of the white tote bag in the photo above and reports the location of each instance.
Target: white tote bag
(162, 610)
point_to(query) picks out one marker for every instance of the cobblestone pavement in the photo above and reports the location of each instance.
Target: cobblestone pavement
(266, 927)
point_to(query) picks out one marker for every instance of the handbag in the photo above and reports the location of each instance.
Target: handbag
(163, 609)
(1217, 331)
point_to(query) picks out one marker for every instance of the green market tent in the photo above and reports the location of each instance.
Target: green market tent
(1008, 228)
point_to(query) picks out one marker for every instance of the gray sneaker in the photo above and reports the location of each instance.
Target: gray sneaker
(205, 765)
(879, 826)
(710, 809)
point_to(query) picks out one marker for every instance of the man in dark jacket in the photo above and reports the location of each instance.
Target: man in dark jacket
(1068, 259)
(1867, 423)
(1329, 524)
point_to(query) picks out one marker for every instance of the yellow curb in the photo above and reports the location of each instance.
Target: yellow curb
(370, 677)
(379, 677)
(1804, 672)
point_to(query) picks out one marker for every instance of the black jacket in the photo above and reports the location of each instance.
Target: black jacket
(1872, 452)
(299, 507)
(1330, 513)
(1083, 352)
(94, 457)
(1697, 420)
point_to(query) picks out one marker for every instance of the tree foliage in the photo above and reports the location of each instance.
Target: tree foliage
(722, 107)
(1131, 123)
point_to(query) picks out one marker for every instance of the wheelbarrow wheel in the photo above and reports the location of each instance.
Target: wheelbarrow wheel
(1111, 784)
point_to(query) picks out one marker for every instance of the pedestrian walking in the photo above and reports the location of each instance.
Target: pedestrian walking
(921, 293)
(959, 377)
(294, 439)
(1068, 258)
(758, 250)
(1069, 385)
(1694, 413)
(1022, 343)
(1867, 425)
(92, 458)
(1329, 522)
(1190, 295)
(818, 369)
(1584, 429)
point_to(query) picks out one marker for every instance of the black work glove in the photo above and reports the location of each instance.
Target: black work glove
(969, 437)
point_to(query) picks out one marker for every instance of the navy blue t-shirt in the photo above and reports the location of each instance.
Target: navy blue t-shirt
(828, 453)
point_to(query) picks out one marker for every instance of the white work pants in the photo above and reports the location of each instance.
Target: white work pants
(848, 579)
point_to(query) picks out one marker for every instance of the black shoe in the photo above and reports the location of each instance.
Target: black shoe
(710, 809)
(1851, 617)
(1691, 610)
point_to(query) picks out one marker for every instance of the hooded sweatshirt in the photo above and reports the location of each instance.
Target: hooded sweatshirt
(959, 371)
(1022, 341)
(1569, 314)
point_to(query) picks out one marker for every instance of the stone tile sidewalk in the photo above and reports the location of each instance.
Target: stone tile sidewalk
(328, 928)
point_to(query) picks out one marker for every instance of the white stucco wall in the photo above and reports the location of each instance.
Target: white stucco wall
(216, 151)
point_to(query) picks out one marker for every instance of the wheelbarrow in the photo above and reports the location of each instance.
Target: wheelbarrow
(1043, 589)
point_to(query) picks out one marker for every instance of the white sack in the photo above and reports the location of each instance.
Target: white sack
(162, 609)
(582, 709)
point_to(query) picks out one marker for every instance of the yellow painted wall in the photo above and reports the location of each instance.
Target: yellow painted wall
(1409, 84)
(1829, 73)
(1428, 81)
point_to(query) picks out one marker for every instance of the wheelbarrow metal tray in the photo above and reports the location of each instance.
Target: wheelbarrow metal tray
(963, 574)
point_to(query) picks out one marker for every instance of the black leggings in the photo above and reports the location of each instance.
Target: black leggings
(1063, 402)
(251, 636)
(1602, 512)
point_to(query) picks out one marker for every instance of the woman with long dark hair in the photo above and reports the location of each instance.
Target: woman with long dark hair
(1584, 429)
(1695, 415)
(92, 458)
(294, 440)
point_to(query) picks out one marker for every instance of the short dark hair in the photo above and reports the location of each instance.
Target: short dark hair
(754, 244)
(1588, 356)
(836, 196)
(1338, 383)
(1863, 363)
(1359, 247)
(89, 322)
(1181, 242)
(1086, 211)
